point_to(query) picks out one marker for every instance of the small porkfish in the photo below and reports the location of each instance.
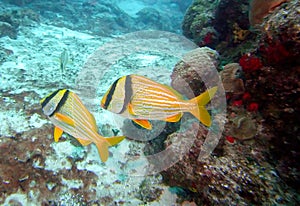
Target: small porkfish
(141, 99)
(63, 61)
(66, 111)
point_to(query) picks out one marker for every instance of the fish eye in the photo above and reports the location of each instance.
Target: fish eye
(49, 109)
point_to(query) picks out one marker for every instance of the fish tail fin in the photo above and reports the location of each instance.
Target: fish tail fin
(201, 112)
(102, 147)
(114, 140)
(104, 143)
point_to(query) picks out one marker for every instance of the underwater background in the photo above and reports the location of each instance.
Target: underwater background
(250, 49)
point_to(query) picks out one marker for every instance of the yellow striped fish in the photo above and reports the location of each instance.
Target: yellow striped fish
(66, 111)
(142, 99)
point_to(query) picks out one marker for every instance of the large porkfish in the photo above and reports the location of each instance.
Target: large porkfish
(66, 111)
(142, 99)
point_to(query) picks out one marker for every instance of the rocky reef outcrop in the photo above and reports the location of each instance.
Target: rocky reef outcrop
(275, 87)
(257, 157)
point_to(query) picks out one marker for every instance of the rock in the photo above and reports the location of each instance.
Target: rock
(192, 74)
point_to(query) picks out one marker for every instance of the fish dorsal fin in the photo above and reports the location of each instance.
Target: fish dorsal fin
(57, 133)
(143, 123)
(65, 119)
(102, 147)
(84, 142)
(174, 118)
(114, 140)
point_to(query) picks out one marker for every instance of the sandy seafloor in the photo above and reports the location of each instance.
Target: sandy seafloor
(32, 72)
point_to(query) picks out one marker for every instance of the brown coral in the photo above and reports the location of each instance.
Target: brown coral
(231, 82)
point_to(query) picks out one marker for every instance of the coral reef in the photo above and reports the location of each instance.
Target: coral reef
(260, 145)
(275, 90)
(224, 25)
(198, 20)
(275, 86)
(280, 42)
(233, 175)
(235, 13)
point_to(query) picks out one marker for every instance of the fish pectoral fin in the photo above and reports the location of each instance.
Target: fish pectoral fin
(130, 109)
(57, 133)
(143, 123)
(102, 147)
(114, 140)
(65, 119)
(84, 142)
(174, 118)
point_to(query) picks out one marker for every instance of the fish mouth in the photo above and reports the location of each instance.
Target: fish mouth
(102, 104)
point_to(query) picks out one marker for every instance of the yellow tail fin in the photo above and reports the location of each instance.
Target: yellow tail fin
(104, 143)
(201, 113)
(102, 147)
(114, 140)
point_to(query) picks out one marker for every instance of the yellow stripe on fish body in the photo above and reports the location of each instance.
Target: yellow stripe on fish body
(139, 98)
(66, 111)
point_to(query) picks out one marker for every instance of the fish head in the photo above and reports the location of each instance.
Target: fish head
(114, 98)
(114, 105)
(50, 102)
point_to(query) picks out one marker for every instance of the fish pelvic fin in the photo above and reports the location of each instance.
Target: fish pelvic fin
(114, 140)
(201, 112)
(143, 123)
(57, 133)
(102, 147)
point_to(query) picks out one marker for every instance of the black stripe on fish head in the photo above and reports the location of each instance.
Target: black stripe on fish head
(128, 93)
(61, 102)
(110, 94)
(45, 101)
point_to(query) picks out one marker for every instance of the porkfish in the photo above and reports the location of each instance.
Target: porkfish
(66, 111)
(141, 99)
